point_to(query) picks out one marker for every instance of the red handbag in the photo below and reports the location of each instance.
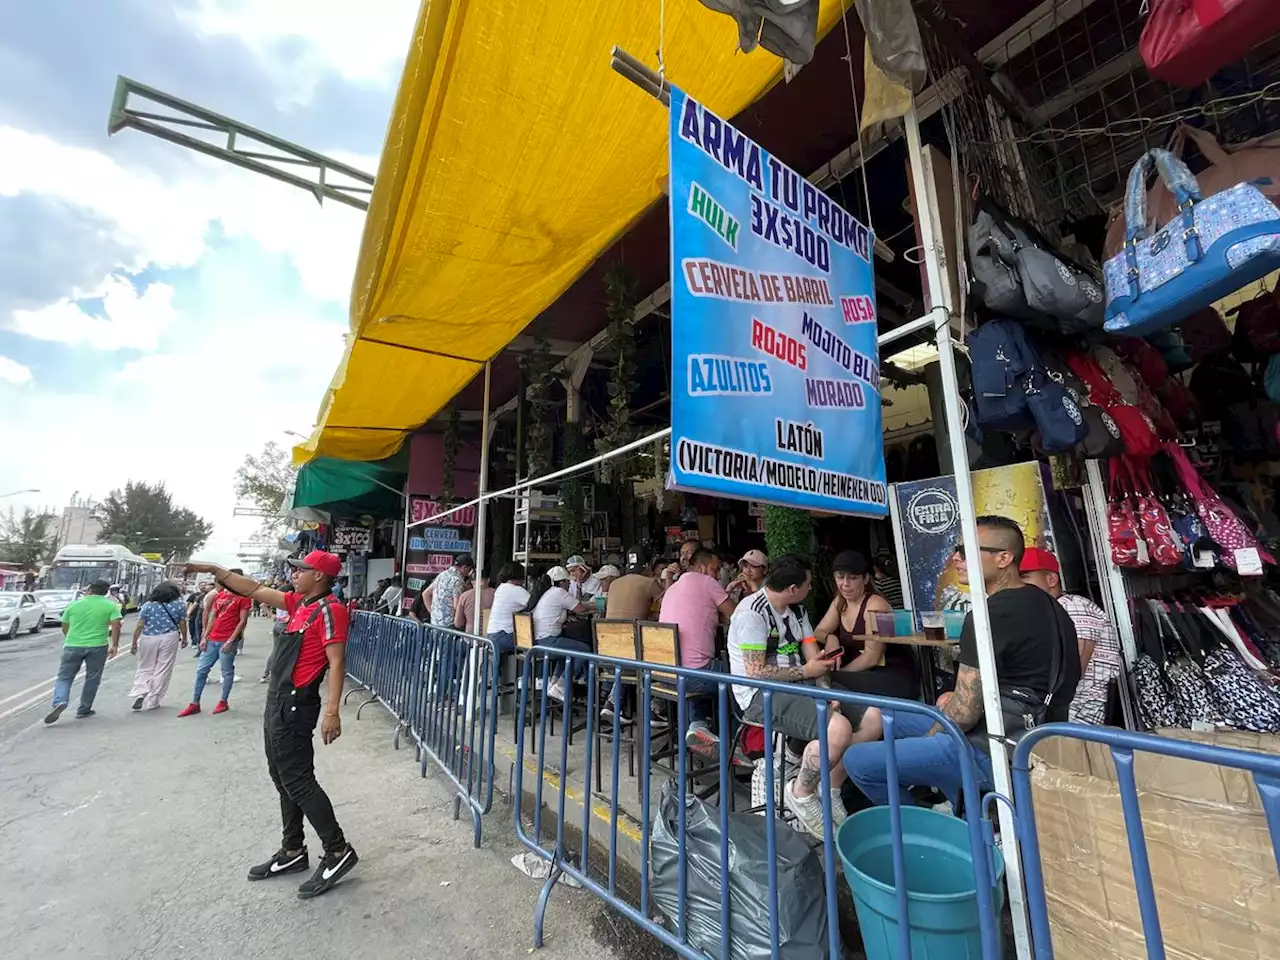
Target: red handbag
(1186, 41)
(1127, 546)
(1136, 429)
(1163, 544)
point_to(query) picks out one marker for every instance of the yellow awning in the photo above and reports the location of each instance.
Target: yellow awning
(514, 157)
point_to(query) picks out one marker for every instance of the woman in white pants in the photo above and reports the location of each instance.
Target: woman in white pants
(161, 631)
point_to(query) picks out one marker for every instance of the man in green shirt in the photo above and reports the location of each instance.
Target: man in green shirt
(91, 626)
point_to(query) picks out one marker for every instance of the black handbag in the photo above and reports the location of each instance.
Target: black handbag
(1015, 272)
(1024, 709)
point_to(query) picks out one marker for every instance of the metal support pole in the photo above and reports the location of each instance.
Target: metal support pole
(404, 552)
(930, 238)
(482, 490)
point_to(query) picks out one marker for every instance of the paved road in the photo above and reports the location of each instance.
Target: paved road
(128, 835)
(27, 664)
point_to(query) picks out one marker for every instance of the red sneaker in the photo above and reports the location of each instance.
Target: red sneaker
(189, 709)
(220, 708)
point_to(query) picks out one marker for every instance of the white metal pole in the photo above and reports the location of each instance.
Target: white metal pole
(930, 237)
(404, 555)
(478, 606)
(482, 490)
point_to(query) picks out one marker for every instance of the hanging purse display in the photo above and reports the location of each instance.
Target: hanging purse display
(1156, 704)
(1014, 272)
(1213, 248)
(1185, 670)
(1163, 543)
(1137, 432)
(1257, 333)
(1186, 41)
(1226, 529)
(1123, 533)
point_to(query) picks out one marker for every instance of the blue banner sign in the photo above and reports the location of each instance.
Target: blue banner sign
(775, 392)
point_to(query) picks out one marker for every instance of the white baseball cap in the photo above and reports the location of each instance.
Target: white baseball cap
(557, 574)
(607, 571)
(576, 561)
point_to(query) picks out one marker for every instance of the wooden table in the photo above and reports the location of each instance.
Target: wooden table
(911, 640)
(922, 647)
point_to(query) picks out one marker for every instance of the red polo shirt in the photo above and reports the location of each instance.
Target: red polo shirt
(329, 627)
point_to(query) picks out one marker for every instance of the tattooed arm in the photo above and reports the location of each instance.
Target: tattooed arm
(758, 669)
(965, 705)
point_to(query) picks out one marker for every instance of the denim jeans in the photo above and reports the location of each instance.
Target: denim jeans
(94, 659)
(922, 761)
(223, 653)
(568, 644)
(503, 642)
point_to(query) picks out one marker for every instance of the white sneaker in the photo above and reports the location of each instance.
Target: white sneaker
(807, 810)
(838, 812)
(556, 690)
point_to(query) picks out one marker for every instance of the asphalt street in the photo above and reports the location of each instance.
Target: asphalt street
(30, 660)
(128, 836)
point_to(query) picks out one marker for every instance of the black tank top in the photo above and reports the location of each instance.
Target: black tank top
(897, 656)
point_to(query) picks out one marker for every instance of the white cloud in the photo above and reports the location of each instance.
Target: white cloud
(245, 334)
(131, 320)
(168, 222)
(365, 44)
(11, 371)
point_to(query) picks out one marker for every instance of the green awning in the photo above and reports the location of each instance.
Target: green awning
(349, 487)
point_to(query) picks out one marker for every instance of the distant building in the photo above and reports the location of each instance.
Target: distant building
(78, 523)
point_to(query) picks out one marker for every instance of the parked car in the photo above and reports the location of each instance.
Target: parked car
(55, 601)
(18, 612)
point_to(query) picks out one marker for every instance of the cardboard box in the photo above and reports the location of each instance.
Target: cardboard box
(1216, 881)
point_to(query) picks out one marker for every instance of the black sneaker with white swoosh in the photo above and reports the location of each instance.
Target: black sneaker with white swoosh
(333, 867)
(281, 863)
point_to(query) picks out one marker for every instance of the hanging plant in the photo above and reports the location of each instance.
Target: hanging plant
(540, 406)
(620, 308)
(787, 530)
(572, 525)
(450, 455)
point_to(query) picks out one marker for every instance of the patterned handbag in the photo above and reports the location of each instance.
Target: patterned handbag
(1191, 692)
(1216, 246)
(1226, 529)
(1156, 704)
(1127, 546)
(1163, 543)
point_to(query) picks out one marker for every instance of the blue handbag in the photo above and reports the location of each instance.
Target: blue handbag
(1215, 246)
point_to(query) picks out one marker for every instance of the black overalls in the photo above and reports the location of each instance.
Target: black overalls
(289, 727)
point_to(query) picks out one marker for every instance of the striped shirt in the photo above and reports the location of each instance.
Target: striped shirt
(891, 589)
(756, 625)
(1090, 702)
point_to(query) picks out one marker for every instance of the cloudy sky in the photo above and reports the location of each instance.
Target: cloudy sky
(162, 313)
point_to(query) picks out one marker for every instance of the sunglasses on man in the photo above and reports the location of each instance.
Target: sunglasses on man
(958, 547)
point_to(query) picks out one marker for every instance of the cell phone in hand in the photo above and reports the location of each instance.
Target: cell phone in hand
(837, 655)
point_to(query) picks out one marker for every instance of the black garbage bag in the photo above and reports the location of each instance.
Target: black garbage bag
(802, 906)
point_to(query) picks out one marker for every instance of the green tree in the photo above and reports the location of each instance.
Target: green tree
(143, 518)
(27, 540)
(265, 480)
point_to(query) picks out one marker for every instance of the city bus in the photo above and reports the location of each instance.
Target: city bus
(76, 565)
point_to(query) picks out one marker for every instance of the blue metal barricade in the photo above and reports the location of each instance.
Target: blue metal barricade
(441, 687)
(1123, 745)
(603, 883)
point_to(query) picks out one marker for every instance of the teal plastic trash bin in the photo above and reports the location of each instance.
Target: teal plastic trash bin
(942, 903)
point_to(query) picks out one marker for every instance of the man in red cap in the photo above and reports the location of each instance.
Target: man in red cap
(1096, 636)
(313, 642)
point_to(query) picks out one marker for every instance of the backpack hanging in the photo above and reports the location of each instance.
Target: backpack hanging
(1205, 334)
(1145, 359)
(1257, 333)
(1137, 432)
(1015, 272)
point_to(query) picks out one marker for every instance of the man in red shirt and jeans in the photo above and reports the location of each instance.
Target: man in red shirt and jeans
(226, 617)
(312, 643)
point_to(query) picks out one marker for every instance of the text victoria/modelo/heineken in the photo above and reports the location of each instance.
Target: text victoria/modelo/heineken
(710, 460)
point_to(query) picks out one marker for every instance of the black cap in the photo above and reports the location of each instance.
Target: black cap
(851, 561)
(638, 560)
